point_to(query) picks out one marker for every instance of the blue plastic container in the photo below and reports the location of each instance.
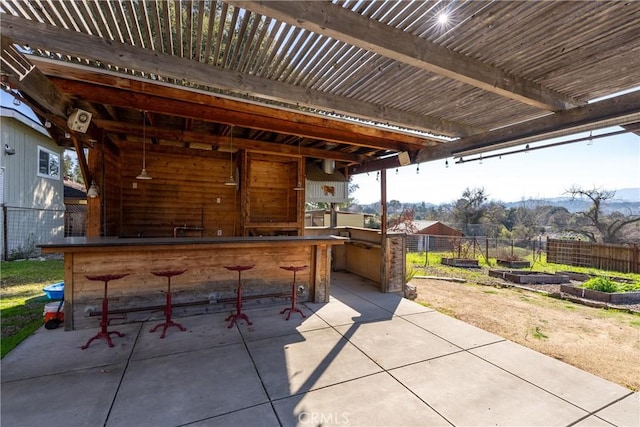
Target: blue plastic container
(55, 291)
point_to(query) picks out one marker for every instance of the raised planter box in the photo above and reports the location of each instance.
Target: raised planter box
(580, 277)
(461, 262)
(613, 298)
(529, 277)
(513, 263)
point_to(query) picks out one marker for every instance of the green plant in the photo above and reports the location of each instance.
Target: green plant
(26, 251)
(601, 284)
(410, 272)
(538, 334)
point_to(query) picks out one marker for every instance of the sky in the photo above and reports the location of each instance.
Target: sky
(608, 163)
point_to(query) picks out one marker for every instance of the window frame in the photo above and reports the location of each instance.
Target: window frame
(49, 153)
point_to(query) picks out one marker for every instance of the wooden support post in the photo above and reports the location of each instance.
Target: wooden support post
(384, 269)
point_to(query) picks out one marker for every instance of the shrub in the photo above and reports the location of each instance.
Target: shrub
(410, 272)
(601, 284)
(27, 250)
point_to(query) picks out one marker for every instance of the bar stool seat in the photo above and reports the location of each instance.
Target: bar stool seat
(168, 309)
(104, 318)
(294, 292)
(239, 314)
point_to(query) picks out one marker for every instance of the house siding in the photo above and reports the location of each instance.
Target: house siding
(33, 205)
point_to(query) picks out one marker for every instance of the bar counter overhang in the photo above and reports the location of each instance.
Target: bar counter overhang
(205, 284)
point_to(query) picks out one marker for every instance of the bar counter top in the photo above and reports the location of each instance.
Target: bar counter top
(203, 260)
(70, 244)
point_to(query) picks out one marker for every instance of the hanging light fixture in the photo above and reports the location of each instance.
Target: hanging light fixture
(231, 181)
(144, 174)
(299, 186)
(93, 190)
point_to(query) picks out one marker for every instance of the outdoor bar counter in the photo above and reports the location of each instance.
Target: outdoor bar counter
(205, 285)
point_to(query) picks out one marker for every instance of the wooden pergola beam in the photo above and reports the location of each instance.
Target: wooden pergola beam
(616, 111)
(621, 110)
(48, 37)
(337, 22)
(100, 78)
(187, 108)
(25, 77)
(216, 141)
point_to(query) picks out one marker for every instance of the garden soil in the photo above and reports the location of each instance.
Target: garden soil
(603, 342)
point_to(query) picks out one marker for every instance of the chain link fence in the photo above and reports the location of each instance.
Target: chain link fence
(75, 221)
(472, 247)
(24, 228)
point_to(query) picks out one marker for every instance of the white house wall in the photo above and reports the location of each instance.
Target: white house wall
(33, 208)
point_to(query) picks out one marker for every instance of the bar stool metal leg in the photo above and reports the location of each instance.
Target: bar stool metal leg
(233, 318)
(294, 291)
(168, 309)
(104, 317)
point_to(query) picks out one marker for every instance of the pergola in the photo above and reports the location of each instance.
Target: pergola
(369, 84)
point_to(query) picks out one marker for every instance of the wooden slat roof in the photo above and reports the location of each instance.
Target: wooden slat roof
(356, 81)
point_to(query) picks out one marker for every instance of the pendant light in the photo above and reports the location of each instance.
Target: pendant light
(231, 181)
(93, 190)
(144, 174)
(299, 186)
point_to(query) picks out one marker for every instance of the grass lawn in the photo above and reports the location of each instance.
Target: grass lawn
(432, 261)
(22, 299)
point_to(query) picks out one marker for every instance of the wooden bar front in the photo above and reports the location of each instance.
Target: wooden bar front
(206, 283)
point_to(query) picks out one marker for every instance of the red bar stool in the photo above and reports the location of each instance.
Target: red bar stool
(168, 308)
(104, 318)
(239, 314)
(293, 290)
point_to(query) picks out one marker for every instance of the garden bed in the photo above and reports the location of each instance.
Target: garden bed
(513, 263)
(529, 277)
(461, 262)
(610, 297)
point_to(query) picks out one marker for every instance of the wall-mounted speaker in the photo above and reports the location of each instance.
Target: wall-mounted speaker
(79, 120)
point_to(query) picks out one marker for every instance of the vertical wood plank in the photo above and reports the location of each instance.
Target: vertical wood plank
(68, 291)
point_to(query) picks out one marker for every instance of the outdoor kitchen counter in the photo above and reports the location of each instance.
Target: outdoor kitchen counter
(204, 284)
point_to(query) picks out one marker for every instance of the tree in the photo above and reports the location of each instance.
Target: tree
(528, 219)
(71, 169)
(471, 207)
(394, 206)
(594, 224)
(404, 222)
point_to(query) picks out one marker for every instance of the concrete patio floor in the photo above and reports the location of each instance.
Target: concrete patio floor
(364, 359)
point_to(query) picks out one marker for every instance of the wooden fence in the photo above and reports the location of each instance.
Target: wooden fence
(605, 256)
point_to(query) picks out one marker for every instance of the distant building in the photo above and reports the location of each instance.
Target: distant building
(428, 235)
(75, 215)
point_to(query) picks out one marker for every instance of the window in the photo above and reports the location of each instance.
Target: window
(48, 163)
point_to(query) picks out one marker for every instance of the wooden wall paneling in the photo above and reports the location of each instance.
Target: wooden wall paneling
(300, 195)
(112, 201)
(270, 197)
(204, 276)
(187, 189)
(245, 204)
